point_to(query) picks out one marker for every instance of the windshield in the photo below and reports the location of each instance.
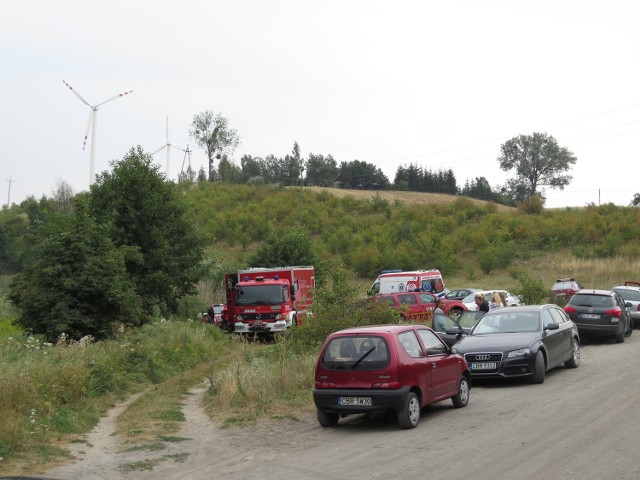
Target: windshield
(507, 322)
(260, 295)
(564, 286)
(584, 300)
(629, 295)
(356, 352)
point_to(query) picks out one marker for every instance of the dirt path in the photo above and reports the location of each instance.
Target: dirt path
(580, 423)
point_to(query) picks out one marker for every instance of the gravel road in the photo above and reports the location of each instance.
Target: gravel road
(581, 423)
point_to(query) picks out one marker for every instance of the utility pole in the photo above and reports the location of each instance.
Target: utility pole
(9, 196)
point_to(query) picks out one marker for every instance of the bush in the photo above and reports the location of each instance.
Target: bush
(531, 290)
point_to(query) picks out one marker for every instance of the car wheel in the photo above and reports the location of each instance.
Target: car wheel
(574, 361)
(409, 415)
(619, 337)
(462, 397)
(538, 369)
(629, 329)
(328, 419)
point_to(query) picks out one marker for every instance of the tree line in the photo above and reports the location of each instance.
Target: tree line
(537, 161)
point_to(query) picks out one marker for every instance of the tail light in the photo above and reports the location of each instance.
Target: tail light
(614, 312)
(638, 309)
(569, 309)
(325, 385)
(387, 385)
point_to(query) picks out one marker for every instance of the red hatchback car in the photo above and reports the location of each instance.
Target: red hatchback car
(419, 305)
(399, 368)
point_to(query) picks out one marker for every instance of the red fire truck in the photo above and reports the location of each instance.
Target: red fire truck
(268, 300)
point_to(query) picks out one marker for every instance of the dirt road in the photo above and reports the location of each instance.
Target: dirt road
(582, 424)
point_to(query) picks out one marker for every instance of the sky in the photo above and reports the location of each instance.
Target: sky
(440, 84)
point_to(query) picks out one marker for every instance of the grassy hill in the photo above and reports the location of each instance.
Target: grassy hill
(473, 242)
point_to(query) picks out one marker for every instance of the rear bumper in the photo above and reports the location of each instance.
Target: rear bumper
(327, 400)
(600, 330)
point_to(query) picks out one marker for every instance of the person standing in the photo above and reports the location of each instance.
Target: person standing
(481, 304)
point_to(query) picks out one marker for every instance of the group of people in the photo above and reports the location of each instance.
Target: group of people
(497, 299)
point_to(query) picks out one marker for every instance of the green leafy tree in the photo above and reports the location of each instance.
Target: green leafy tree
(74, 280)
(148, 215)
(211, 131)
(291, 247)
(538, 161)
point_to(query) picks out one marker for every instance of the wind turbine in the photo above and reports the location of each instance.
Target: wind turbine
(91, 125)
(168, 146)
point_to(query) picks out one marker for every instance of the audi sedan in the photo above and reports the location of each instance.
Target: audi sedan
(523, 341)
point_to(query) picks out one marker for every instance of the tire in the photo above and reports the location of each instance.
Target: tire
(619, 337)
(538, 369)
(409, 415)
(629, 328)
(462, 397)
(574, 361)
(328, 419)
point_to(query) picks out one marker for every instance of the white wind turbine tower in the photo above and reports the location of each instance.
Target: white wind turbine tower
(93, 115)
(168, 146)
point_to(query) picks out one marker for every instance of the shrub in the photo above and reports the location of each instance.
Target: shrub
(531, 290)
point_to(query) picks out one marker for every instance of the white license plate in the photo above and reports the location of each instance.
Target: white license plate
(484, 366)
(354, 401)
(592, 316)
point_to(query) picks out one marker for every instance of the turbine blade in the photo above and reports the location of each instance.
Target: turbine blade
(162, 147)
(86, 135)
(114, 97)
(177, 148)
(77, 94)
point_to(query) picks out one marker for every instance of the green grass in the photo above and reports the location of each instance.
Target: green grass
(53, 392)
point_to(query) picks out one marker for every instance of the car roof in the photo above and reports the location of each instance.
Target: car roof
(594, 291)
(626, 287)
(376, 329)
(521, 308)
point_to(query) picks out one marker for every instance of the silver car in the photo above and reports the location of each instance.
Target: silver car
(630, 294)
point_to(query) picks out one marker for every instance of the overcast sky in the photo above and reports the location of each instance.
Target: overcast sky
(440, 84)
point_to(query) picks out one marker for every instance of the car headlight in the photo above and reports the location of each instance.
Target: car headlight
(521, 352)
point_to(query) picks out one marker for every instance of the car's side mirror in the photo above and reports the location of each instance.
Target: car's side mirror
(551, 326)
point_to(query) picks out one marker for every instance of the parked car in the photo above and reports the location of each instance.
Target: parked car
(565, 288)
(469, 300)
(452, 330)
(399, 368)
(461, 293)
(214, 314)
(523, 341)
(600, 312)
(630, 293)
(419, 305)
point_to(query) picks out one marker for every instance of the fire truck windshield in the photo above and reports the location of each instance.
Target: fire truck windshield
(259, 295)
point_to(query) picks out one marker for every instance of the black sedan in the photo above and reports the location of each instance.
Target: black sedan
(524, 341)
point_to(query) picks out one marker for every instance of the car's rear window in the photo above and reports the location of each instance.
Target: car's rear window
(597, 301)
(564, 286)
(628, 294)
(356, 352)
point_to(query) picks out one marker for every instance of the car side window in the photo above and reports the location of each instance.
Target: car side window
(410, 343)
(407, 299)
(432, 342)
(547, 318)
(427, 298)
(558, 316)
